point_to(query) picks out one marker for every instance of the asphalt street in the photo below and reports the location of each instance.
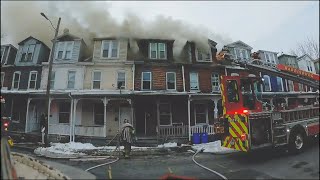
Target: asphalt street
(263, 164)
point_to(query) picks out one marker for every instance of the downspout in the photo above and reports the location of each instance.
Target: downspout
(133, 76)
(183, 80)
(71, 115)
(189, 121)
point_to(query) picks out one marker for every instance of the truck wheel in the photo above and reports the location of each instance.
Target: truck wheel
(297, 142)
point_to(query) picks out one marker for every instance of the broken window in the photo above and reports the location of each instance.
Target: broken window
(146, 80)
(203, 56)
(64, 112)
(33, 79)
(64, 50)
(171, 80)
(30, 52)
(121, 80)
(165, 114)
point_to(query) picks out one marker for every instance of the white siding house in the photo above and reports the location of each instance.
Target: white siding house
(306, 63)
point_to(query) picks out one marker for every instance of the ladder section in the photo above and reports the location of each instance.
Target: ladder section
(299, 114)
(279, 133)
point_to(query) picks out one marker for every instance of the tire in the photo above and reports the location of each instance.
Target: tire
(297, 141)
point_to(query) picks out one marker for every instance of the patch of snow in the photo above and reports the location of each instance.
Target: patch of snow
(213, 147)
(167, 145)
(70, 148)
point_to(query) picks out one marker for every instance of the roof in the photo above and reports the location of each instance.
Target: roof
(239, 42)
(287, 55)
(299, 58)
(108, 38)
(9, 45)
(266, 51)
(31, 37)
(66, 34)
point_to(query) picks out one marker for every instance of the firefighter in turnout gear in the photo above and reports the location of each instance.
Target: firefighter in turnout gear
(127, 133)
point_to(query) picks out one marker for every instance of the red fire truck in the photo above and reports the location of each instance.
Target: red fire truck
(5, 122)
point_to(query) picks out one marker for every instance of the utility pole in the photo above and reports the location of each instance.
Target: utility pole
(49, 78)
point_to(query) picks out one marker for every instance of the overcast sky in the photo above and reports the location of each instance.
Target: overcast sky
(275, 26)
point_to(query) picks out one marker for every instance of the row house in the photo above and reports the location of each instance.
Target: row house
(22, 76)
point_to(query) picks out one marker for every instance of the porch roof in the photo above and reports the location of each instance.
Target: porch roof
(290, 94)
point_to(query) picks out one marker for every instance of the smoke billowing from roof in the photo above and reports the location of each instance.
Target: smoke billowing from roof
(87, 20)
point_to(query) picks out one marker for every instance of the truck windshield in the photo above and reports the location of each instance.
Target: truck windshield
(232, 90)
(247, 90)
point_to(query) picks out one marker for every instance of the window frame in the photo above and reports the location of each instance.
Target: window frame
(52, 80)
(197, 74)
(2, 78)
(218, 77)
(93, 80)
(203, 54)
(14, 75)
(64, 44)
(65, 112)
(170, 108)
(95, 114)
(175, 81)
(75, 73)
(111, 42)
(125, 79)
(290, 83)
(269, 83)
(246, 56)
(35, 81)
(142, 80)
(282, 87)
(195, 112)
(158, 50)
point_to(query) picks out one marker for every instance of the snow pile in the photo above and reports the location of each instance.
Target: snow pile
(213, 147)
(168, 145)
(70, 148)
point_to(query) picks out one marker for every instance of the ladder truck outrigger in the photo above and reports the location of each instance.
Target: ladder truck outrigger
(246, 125)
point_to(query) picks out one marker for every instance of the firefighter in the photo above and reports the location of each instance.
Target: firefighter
(127, 132)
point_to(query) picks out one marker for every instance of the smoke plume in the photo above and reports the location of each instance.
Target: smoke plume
(87, 20)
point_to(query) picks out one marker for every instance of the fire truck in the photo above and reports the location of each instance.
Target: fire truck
(246, 125)
(5, 122)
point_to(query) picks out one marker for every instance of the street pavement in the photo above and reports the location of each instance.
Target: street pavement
(263, 164)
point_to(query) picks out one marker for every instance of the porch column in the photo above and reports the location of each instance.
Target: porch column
(189, 124)
(105, 102)
(49, 112)
(215, 108)
(158, 118)
(70, 122)
(74, 118)
(27, 115)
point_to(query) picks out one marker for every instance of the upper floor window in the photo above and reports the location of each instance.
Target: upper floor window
(215, 82)
(16, 80)
(203, 57)
(109, 49)
(309, 66)
(270, 57)
(290, 85)
(2, 78)
(71, 79)
(291, 62)
(27, 52)
(279, 84)
(121, 80)
(171, 80)
(64, 50)
(267, 83)
(146, 80)
(53, 76)
(158, 51)
(96, 80)
(2, 53)
(32, 80)
(194, 83)
(241, 53)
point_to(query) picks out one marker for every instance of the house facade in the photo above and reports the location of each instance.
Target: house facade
(306, 63)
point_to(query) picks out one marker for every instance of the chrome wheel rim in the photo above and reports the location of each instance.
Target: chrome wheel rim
(299, 141)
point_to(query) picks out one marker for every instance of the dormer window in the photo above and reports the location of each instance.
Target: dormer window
(27, 53)
(158, 51)
(270, 57)
(203, 57)
(241, 53)
(64, 50)
(109, 49)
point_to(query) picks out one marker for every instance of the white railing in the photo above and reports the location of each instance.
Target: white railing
(96, 131)
(202, 129)
(173, 131)
(62, 129)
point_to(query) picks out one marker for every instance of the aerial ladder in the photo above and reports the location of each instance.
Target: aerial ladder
(245, 125)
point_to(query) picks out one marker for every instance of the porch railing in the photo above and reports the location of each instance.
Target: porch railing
(62, 129)
(173, 131)
(95, 131)
(202, 129)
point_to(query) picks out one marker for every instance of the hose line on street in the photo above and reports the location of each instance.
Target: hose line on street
(204, 167)
(102, 164)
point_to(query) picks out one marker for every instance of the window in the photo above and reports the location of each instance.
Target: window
(146, 80)
(53, 76)
(32, 80)
(203, 57)
(279, 84)
(64, 112)
(300, 87)
(96, 80)
(290, 84)
(232, 91)
(200, 113)
(267, 83)
(215, 82)
(121, 80)
(16, 80)
(98, 113)
(309, 66)
(171, 80)
(71, 79)
(270, 57)
(110, 49)
(2, 78)
(2, 53)
(27, 52)
(158, 51)
(64, 50)
(165, 114)
(241, 53)
(194, 84)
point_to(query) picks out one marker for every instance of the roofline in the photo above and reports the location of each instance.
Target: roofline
(35, 39)
(299, 58)
(10, 46)
(267, 51)
(288, 55)
(238, 42)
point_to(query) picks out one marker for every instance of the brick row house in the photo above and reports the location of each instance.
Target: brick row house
(164, 95)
